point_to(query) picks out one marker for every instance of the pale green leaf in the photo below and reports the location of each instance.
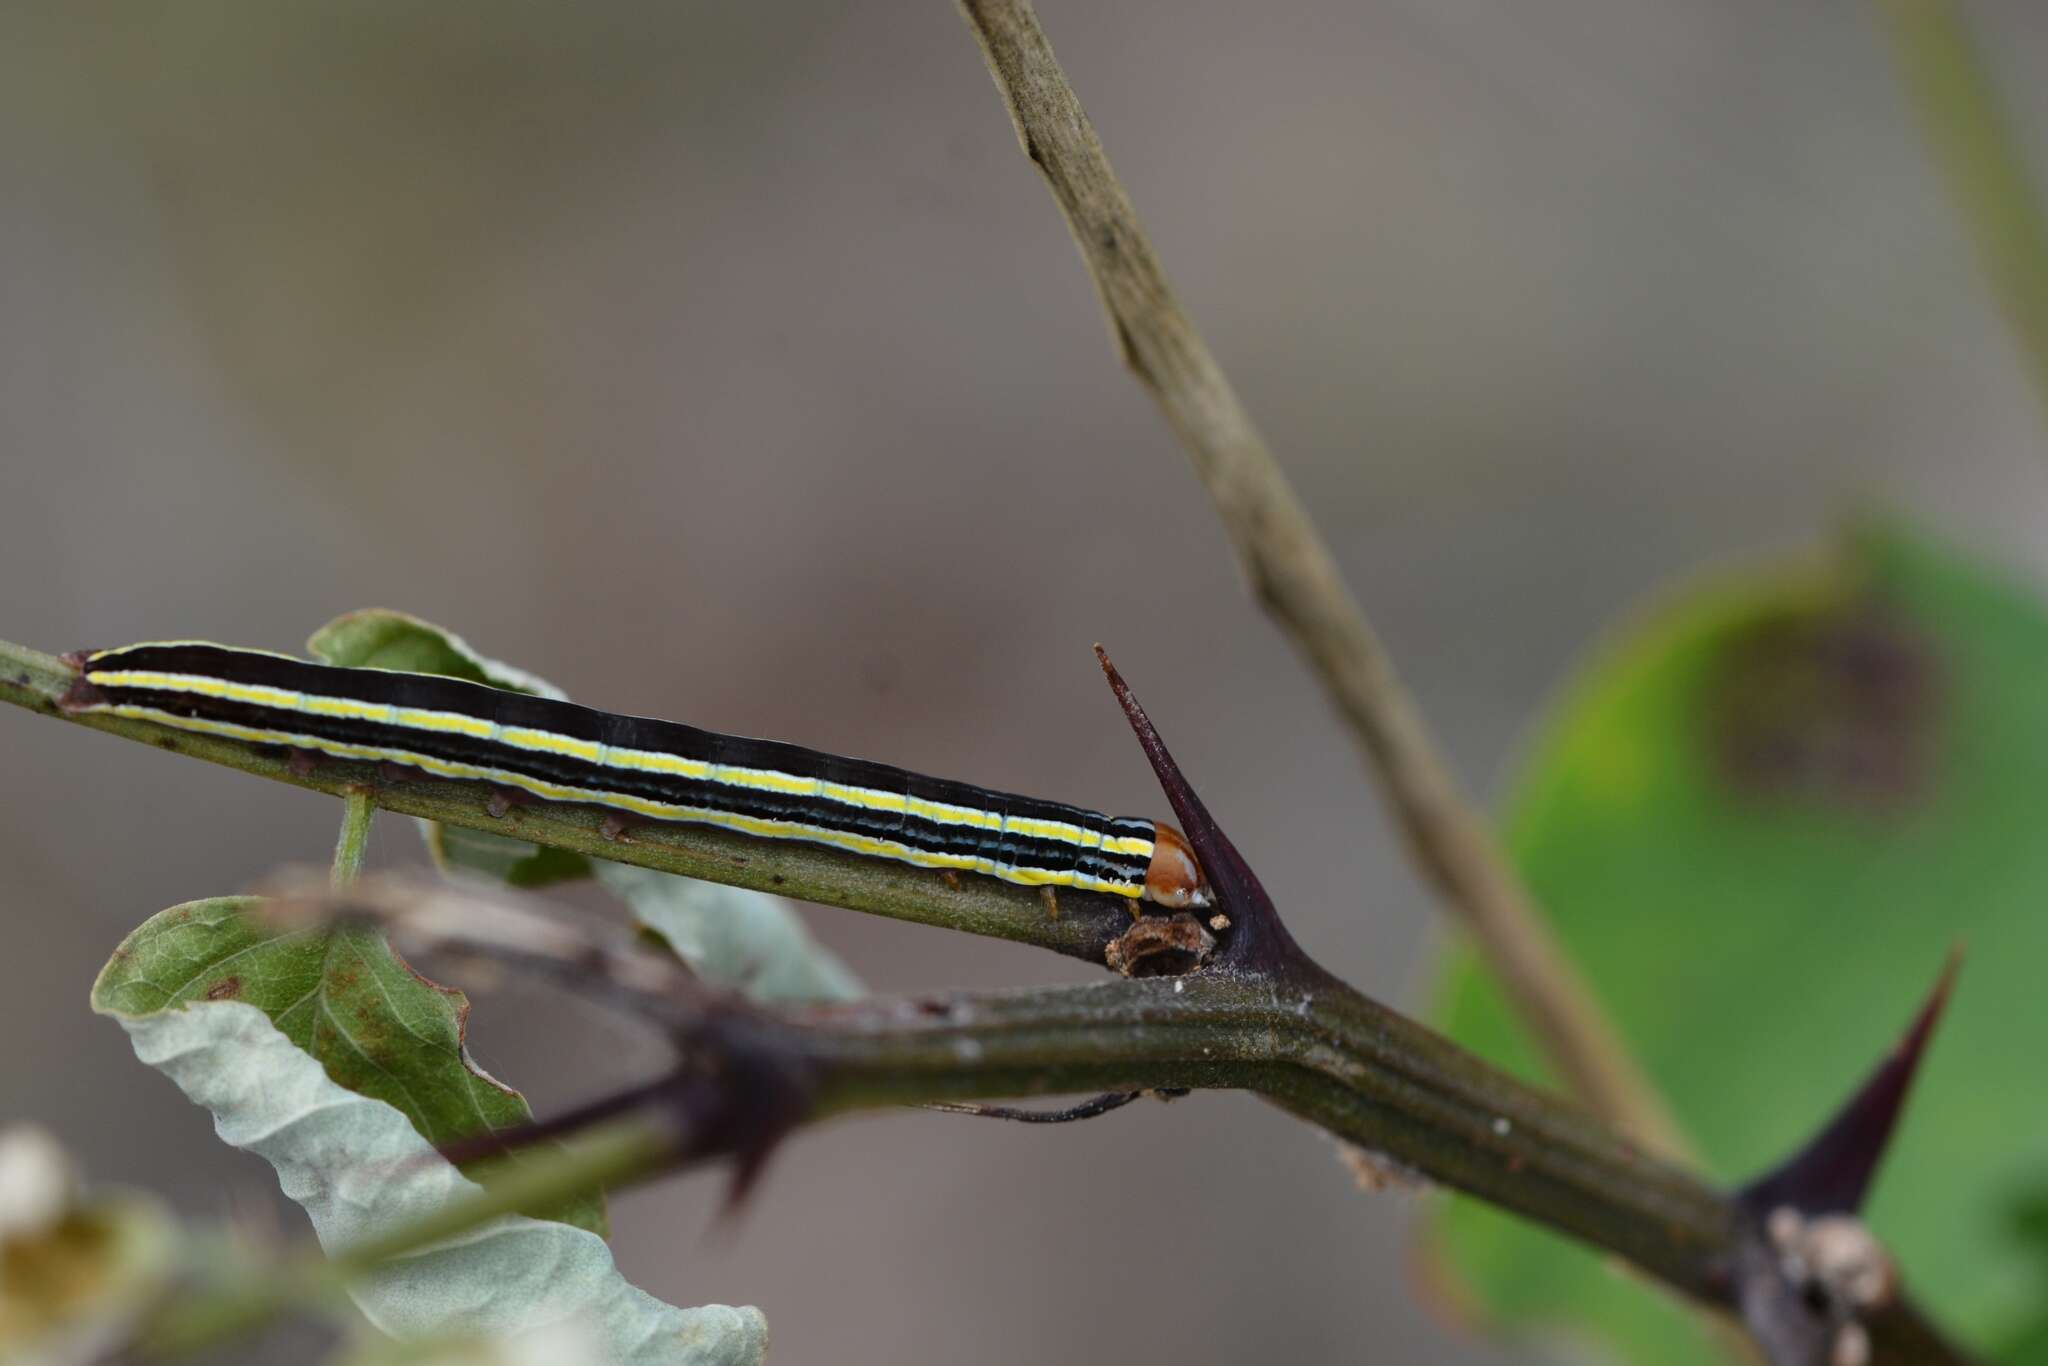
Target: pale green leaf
(360, 1169)
(732, 936)
(342, 995)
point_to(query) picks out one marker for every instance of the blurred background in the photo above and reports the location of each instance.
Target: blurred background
(728, 363)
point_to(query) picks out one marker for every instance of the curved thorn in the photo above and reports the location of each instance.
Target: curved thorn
(1257, 938)
(1832, 1173)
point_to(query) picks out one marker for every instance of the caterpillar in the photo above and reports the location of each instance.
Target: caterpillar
(661, 771)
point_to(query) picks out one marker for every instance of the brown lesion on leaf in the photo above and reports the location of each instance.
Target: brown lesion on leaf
(1161, 946)
(1840, 705)
(226, 989)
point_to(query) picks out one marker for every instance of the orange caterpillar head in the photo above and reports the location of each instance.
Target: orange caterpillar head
(1173, 879)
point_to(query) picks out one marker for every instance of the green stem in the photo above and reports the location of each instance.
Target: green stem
(1084, 928)
(1974, 144)
(1352, 1067)
(353, 843)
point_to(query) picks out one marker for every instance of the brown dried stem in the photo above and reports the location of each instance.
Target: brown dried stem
(1296, 580)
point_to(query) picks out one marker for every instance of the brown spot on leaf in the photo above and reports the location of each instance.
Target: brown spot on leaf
(1840, 706)
(226, 989)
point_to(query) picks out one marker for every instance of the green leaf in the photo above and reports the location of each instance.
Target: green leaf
(360, 1169)
(732, 936)
(378, 638)
(516, 863)
(1759, 820)
(378, 1028)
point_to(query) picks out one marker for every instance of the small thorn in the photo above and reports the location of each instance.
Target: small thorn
(1833, 1172)
(504, 1142)
(1258, 937)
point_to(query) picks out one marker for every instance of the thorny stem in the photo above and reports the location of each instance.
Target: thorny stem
(1296, 579)
(1084, 929)
(1270, 1021)
(1320, 1050)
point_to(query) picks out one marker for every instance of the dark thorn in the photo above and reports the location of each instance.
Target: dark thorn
(1087, 1109)
(499, 804)
(737, 1095)
(1258, 939)
(615, 828)
(503, 1142)
(1832, 1173)
(760, 1091)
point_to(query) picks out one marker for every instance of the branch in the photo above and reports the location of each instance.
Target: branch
(1974, 145)
(1296, 579)
(1261, 1016)
(1087, 924)
(750, 1076)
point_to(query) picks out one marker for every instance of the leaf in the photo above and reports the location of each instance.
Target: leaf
(1759, 820)
(516, 863)
(732, 936)
(556, 1345)
(360, 1168)
(377, 638)
(378, 1028)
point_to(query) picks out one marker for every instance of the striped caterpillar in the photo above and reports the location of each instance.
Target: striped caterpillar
(653, 770)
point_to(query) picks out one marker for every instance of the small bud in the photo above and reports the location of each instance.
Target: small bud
(38, 1184)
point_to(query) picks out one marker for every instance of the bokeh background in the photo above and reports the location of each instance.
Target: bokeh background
(728, 363)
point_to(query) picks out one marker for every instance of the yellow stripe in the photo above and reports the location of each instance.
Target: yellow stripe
(195, 683)
(548, 742)
(654, 761)
(764, 780)
(868, 798)
(653, 810)
(348, 708)
(448, 722)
